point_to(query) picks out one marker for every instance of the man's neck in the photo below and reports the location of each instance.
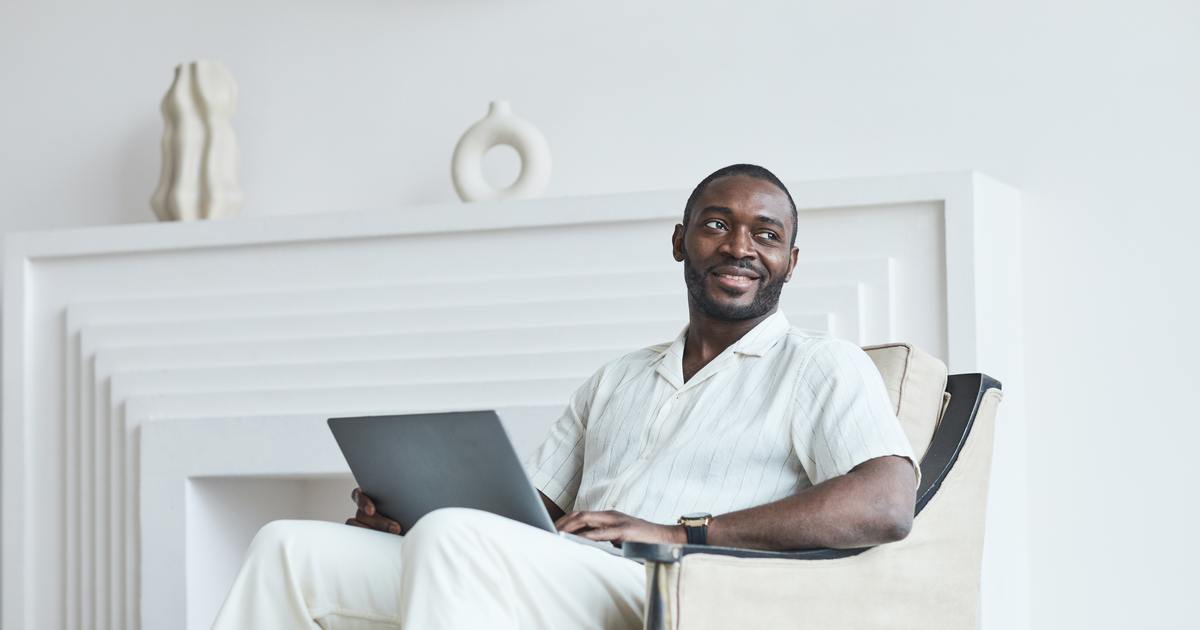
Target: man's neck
(708, 337)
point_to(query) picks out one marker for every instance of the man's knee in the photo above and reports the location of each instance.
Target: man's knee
(277, 536)
(448, 528)
(451, 519)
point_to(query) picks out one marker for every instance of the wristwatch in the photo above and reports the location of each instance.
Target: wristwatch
(696, 526)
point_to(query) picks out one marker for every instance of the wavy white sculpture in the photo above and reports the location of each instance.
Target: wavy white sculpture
(501, 126)
(199, 151)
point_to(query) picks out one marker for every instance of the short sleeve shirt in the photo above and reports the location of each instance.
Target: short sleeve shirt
(777, 411)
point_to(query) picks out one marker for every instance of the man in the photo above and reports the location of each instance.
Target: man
(762, 435)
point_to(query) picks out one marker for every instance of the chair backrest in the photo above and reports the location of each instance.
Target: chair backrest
(916, 383)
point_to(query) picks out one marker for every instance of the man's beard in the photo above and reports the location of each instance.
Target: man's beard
(765, 299)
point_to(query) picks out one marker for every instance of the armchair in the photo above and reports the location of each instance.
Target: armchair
(929, 579)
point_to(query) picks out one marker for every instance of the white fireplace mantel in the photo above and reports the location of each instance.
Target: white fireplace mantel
(192, 335)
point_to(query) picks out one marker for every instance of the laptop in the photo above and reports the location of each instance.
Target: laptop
(413, 464)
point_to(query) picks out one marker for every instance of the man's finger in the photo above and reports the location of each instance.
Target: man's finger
(565, 519)
(577, 521)
(392, 528)
(573, 522)
(363, 501)
(599, 519)
(370, 519)
(377, 522)
(603, 534)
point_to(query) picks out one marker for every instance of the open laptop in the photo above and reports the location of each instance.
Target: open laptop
(413, 464)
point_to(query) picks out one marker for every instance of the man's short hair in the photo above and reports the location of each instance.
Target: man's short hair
(749, 170)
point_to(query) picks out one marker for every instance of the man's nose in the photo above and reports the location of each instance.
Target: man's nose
(738, 244)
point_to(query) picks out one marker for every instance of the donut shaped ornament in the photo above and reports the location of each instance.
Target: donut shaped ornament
(500, 126)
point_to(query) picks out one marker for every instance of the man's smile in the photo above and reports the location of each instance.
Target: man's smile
(735, 278)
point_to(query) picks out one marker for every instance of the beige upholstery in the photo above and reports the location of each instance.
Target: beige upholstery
(916, 383)
(928, 580)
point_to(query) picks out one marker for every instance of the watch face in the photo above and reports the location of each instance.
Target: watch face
(696, 516)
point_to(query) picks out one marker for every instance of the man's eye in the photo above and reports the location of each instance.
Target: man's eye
(715, 224)
(769, 235)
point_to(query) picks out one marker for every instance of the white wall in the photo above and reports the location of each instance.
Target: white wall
(1091, 108)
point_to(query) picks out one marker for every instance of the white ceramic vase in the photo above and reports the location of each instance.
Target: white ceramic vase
(199, 177)
(501, 126)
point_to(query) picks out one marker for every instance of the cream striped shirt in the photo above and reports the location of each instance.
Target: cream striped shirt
(777, 411)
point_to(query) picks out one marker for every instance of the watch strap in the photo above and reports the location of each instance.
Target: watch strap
(697, 535)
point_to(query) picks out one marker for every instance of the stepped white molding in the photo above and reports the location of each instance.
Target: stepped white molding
(119, 333)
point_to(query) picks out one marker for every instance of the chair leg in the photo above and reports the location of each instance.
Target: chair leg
(658, 603)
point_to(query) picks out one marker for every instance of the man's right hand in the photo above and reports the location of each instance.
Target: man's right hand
(368, 517)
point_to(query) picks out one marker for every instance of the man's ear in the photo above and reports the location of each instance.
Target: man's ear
(792, 264)
(677, 243)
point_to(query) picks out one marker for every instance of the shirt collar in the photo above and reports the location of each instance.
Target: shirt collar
(754, 343)
(763, 336)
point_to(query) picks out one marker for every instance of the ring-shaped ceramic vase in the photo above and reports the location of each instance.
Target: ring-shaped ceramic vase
(500, 126)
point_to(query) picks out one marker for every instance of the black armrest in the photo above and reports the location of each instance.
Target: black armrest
(966, 392)
(658, 552)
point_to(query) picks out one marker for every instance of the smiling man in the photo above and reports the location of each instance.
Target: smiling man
(741, 432)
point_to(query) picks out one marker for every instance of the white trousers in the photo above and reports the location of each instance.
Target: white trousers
(457, 568)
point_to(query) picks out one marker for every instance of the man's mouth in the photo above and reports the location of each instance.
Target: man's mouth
(735, 277)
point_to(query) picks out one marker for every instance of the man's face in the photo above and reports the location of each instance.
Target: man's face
(736, 250)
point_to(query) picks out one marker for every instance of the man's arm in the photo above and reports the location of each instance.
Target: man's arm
(870, 505)
(842, 426)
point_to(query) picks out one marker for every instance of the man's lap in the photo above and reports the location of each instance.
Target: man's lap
(552, 579)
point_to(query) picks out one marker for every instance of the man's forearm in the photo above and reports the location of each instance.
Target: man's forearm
(870, 505)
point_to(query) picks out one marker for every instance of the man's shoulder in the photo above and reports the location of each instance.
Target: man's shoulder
(801, 344)
(805, 347)
(799, 337)
(821, 355)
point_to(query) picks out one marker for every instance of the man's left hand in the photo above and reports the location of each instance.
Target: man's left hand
(617, 528)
